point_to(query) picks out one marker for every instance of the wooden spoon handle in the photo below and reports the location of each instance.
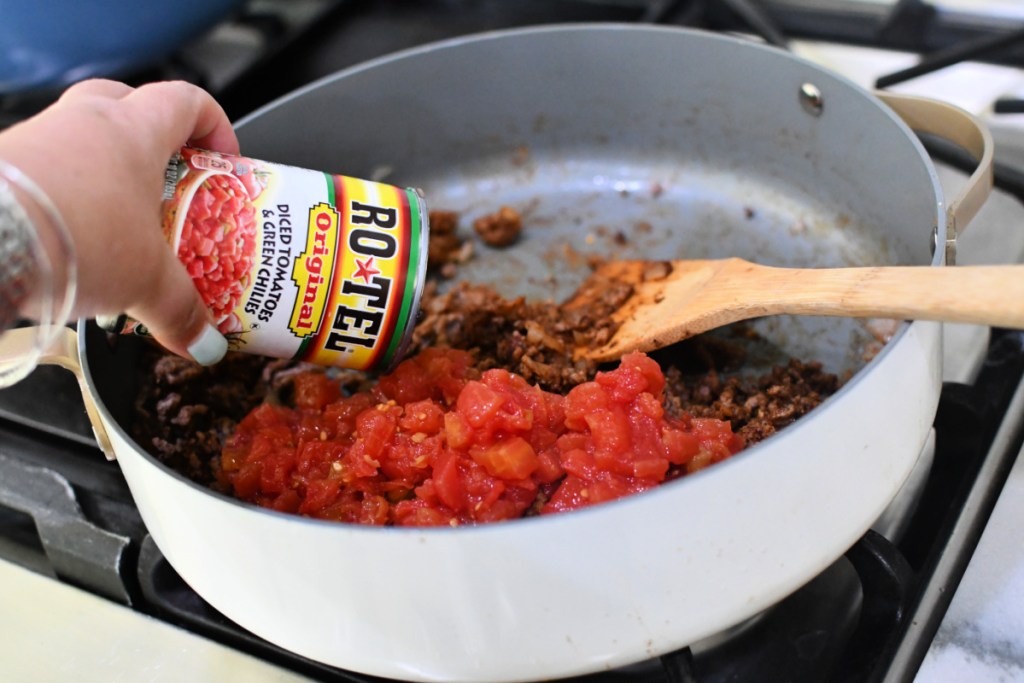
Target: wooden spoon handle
(986, 295)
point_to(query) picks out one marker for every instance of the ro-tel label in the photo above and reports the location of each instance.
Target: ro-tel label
(294, 263)
(358, 275)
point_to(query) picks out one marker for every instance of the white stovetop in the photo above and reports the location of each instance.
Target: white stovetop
(72, 635)
(981, 638)
(50, 631)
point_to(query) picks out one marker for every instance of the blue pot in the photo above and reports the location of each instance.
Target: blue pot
(52, 43)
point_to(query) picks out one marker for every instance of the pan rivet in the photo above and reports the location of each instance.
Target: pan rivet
(811, 100)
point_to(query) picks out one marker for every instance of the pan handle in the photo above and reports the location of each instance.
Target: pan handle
(62, 351)
(961, 128)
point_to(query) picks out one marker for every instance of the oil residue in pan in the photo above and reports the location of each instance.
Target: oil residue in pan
(583, 209)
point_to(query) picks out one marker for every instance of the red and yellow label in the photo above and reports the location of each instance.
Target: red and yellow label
(371, 292)
(313, 270)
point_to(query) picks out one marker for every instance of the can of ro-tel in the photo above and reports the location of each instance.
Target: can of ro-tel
(295, 263)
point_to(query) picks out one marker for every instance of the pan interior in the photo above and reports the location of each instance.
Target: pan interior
(631, 142)
(653, 209)
(661, 209)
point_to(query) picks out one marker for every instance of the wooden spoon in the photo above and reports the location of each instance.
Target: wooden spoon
(673, 300)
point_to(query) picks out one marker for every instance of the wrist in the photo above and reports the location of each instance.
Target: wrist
(19, 267)
(37, 267)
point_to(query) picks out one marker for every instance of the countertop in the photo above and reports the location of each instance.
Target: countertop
(982, 636)
(980, 639)
(55, 632)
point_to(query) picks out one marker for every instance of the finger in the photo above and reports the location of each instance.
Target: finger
(175, 314)
(96, 87)
(180, 112)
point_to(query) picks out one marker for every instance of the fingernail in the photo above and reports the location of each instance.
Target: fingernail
(209, 347)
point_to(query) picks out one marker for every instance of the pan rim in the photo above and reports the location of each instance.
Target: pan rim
(668, 488)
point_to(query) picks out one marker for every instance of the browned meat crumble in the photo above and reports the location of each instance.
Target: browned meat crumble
(757, 407)
(499, 229)
(445, 249)
(535, 340)
(184, 411)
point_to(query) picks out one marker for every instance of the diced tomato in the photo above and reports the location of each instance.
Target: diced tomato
(478, 404)
(288, 501)
(436, 443)
(425, 417)
(338, 418)
(433, 373)
(717, 436)
(320, 493)
(549, 467)
(649, 368)
(624, 384)
(652, 468)
(246, 481)
(217, 243)
(583, 400)
(375, 428)
(512, 458)
(609, 431)
(447, 482)
(572, 493)
(579, 463)
(275, 476)
(421, 513)
(680, 445)
(457, 430)
(314, 390)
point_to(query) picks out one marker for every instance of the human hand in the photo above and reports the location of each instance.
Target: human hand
(100, 153)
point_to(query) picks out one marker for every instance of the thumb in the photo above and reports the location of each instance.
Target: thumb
(175, 314)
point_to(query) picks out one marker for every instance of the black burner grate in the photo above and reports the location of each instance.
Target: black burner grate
(66, 512)
(846, 625)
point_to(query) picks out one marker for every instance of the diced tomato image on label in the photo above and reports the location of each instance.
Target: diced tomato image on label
(218, 244)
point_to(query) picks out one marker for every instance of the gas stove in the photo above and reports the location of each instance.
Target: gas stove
(82, 577)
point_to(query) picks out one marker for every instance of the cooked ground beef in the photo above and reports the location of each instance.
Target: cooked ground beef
(185, 411)
(757, 407)
(499, 229)
(445, 247)
(535, 340)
